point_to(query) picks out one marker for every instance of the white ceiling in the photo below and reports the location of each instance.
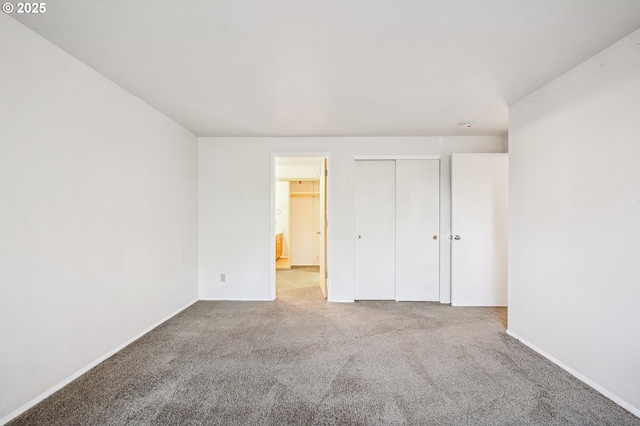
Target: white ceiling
(334, 67)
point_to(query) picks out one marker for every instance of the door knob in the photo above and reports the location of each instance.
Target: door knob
(435, 237)
(457, 237)
(318, 233)
(358, 237)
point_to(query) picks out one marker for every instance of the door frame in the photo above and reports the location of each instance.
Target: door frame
(327, 248)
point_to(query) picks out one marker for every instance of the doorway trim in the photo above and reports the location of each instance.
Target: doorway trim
(327, 260)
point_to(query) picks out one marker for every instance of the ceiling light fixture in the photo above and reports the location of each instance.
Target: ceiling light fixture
(465, 125)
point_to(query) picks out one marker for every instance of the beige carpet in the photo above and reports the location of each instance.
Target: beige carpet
(299, 282)
(308, 362)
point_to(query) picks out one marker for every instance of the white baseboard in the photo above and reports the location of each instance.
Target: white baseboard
(83, 370)
(624, 404)
(218, 299)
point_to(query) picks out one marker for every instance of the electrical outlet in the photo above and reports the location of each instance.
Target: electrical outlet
(223, 277)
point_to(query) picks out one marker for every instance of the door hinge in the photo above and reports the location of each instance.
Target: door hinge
(326, 275)
(326, 172)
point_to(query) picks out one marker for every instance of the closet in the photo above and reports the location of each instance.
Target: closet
(397, 211)
(305, 223)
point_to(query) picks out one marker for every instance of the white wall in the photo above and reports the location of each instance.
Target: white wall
(244, 251)
(98, 217)
(574, 271)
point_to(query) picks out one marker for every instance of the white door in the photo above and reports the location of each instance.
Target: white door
(479, 184)
(317, 231)
(302, 232)
(375, 230)
(418, 230)
(322, 228)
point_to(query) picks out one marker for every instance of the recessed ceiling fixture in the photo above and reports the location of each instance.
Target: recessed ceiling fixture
(464, 125)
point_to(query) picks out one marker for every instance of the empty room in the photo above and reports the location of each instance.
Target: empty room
(320, 212)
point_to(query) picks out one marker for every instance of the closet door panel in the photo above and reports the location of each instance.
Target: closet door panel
(417, 230)
(375, 230)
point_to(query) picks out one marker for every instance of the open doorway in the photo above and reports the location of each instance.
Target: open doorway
(299, 196)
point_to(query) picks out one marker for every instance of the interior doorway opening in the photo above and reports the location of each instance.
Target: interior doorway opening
(299, 200)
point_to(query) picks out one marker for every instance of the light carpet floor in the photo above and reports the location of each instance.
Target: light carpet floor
(308, 362)
(299, 282)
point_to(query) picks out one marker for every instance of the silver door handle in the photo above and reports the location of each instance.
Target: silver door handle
(457, 237)
(358, 237)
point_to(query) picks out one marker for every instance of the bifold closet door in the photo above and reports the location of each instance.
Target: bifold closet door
(375, 229)
(418, 230)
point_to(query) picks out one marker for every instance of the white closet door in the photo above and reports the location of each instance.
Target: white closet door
(417, 230)
(375, 230)
(479, 184)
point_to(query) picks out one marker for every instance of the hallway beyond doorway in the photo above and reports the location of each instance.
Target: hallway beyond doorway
(299, 282)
